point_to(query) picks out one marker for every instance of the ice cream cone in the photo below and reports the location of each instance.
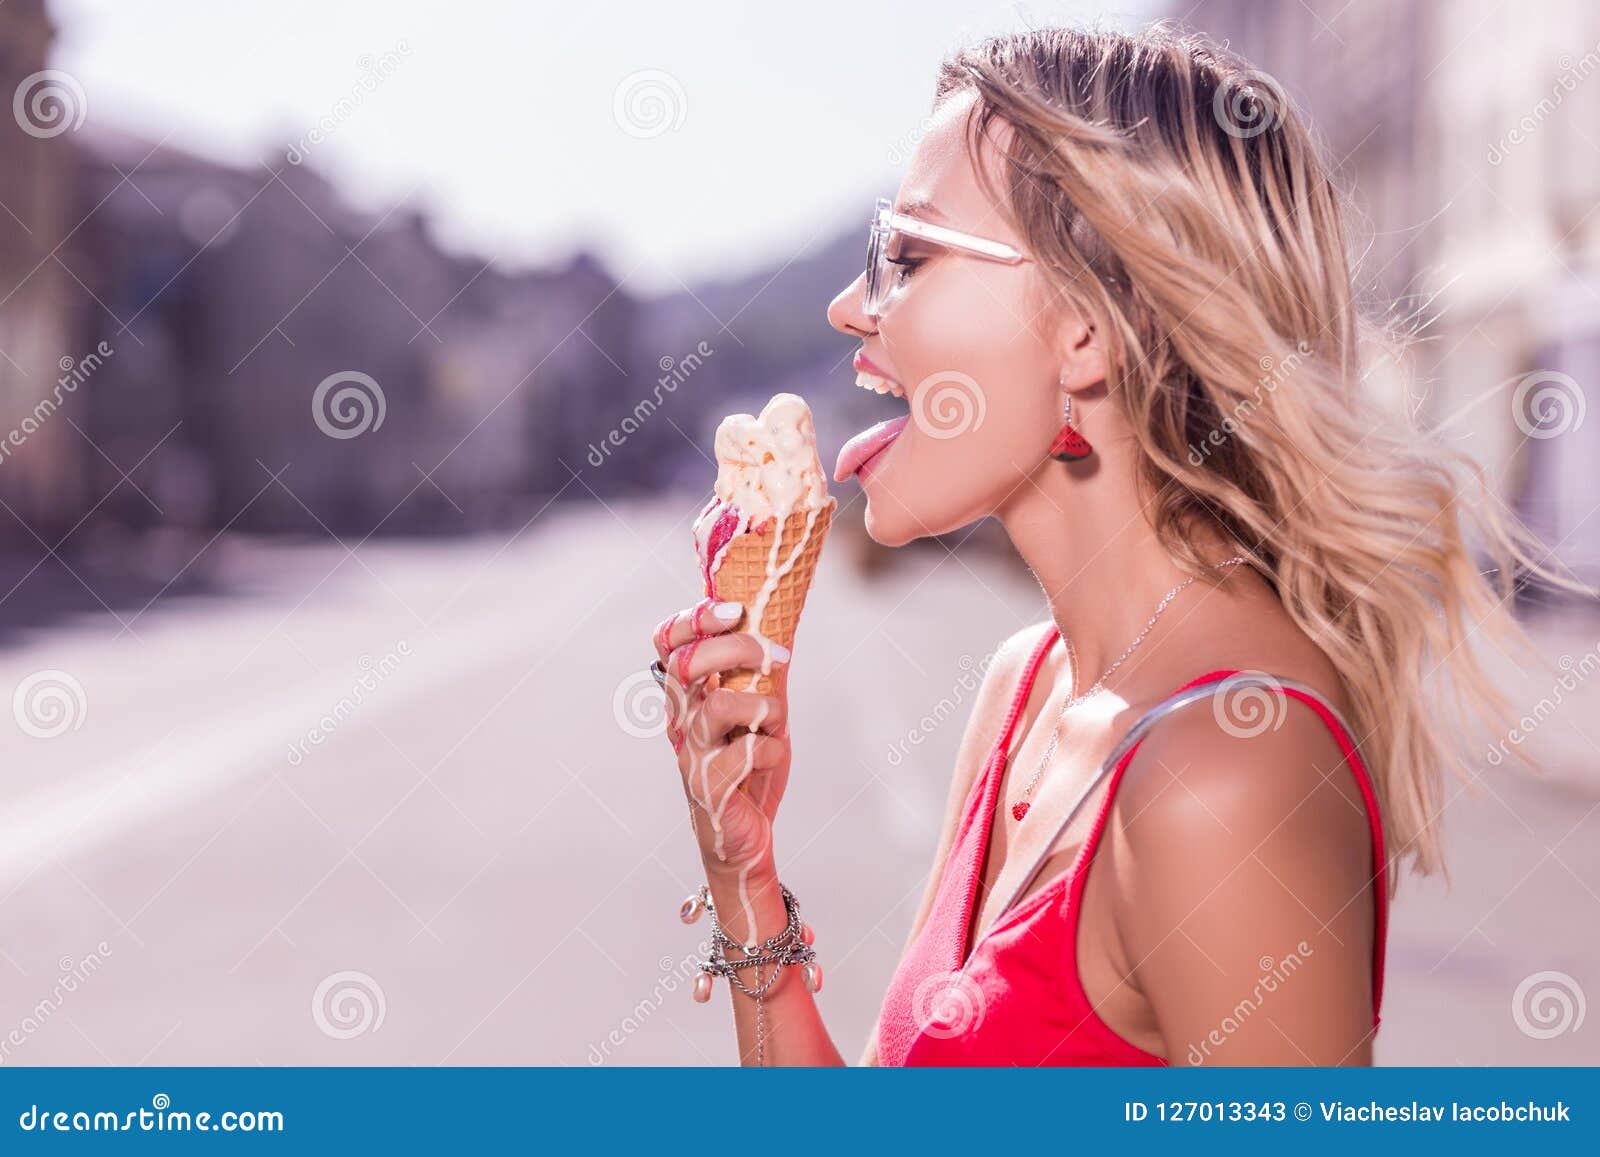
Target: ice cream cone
(744, 571)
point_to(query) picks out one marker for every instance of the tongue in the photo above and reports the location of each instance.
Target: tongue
(865, 444)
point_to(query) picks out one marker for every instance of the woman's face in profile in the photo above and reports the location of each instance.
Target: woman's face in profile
(965, 346)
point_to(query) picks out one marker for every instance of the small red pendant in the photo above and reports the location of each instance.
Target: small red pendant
(1070, 446)
(1018, 810)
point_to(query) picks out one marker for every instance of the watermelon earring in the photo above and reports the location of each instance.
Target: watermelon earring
(1069, 446)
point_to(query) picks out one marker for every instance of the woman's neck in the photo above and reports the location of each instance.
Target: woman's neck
(1102, 568)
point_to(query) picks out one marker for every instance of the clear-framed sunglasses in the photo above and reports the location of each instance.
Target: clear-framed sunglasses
(880, 272)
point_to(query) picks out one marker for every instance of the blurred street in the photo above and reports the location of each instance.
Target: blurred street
(400, 805)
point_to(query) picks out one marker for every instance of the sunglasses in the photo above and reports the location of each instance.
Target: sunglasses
(885, 221)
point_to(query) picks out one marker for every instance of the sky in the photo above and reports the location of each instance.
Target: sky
(681, 142)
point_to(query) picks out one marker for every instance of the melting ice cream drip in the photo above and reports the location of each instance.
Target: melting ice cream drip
(767, 468)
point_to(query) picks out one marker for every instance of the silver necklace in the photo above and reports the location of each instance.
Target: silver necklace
(1020, 808)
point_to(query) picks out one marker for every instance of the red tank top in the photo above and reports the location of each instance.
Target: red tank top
(1020, 1000)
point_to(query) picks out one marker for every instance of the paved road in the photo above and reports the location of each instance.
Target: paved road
(378, 808)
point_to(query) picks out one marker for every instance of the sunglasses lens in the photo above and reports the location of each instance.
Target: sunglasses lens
(871, 291)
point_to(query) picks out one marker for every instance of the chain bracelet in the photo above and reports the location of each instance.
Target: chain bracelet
(791, 945)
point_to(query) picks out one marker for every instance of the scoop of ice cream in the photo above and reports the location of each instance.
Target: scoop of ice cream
(767, 464)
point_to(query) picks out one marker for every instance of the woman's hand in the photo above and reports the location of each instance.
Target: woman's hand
(733, 781)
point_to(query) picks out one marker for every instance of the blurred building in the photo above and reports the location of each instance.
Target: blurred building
(232, 295)
(40, 459)
(1466, 131)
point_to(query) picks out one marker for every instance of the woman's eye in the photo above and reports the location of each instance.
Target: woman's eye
(905, 265)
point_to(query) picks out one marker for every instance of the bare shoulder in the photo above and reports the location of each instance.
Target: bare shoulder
(1249, 762)
(1242, 852)
(1242, 848)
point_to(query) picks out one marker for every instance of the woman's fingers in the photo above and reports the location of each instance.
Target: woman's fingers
(718, 771)
(725, 708)
(700, 657)
(707, 617)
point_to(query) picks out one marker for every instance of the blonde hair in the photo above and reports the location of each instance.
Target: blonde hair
(1175, 198)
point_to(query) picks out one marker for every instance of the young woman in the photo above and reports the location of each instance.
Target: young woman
(1114, 295)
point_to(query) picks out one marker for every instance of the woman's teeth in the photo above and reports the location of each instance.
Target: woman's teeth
(878, 385)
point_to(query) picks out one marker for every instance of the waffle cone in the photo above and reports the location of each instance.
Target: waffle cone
(742, 573)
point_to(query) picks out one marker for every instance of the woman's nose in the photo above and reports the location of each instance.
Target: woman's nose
(845, 313)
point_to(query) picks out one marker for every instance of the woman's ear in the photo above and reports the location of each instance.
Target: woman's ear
(1083, 362)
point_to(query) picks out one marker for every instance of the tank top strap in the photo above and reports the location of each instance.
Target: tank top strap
(1019, 700)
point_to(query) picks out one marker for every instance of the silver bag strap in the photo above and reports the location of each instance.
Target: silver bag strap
(1142, 727)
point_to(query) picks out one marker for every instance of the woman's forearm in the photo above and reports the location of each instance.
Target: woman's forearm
(794, 1033)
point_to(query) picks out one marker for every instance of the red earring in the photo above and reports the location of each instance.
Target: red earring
(1069, 446)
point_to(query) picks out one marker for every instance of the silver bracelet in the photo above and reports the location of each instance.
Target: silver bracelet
(791, 945)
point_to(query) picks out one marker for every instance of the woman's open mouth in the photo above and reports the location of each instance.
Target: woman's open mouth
(860, 450)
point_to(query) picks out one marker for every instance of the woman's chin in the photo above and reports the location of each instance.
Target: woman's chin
(891, 530)
(890, 522)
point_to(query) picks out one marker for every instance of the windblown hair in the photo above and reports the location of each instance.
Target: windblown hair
(1173, 197)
